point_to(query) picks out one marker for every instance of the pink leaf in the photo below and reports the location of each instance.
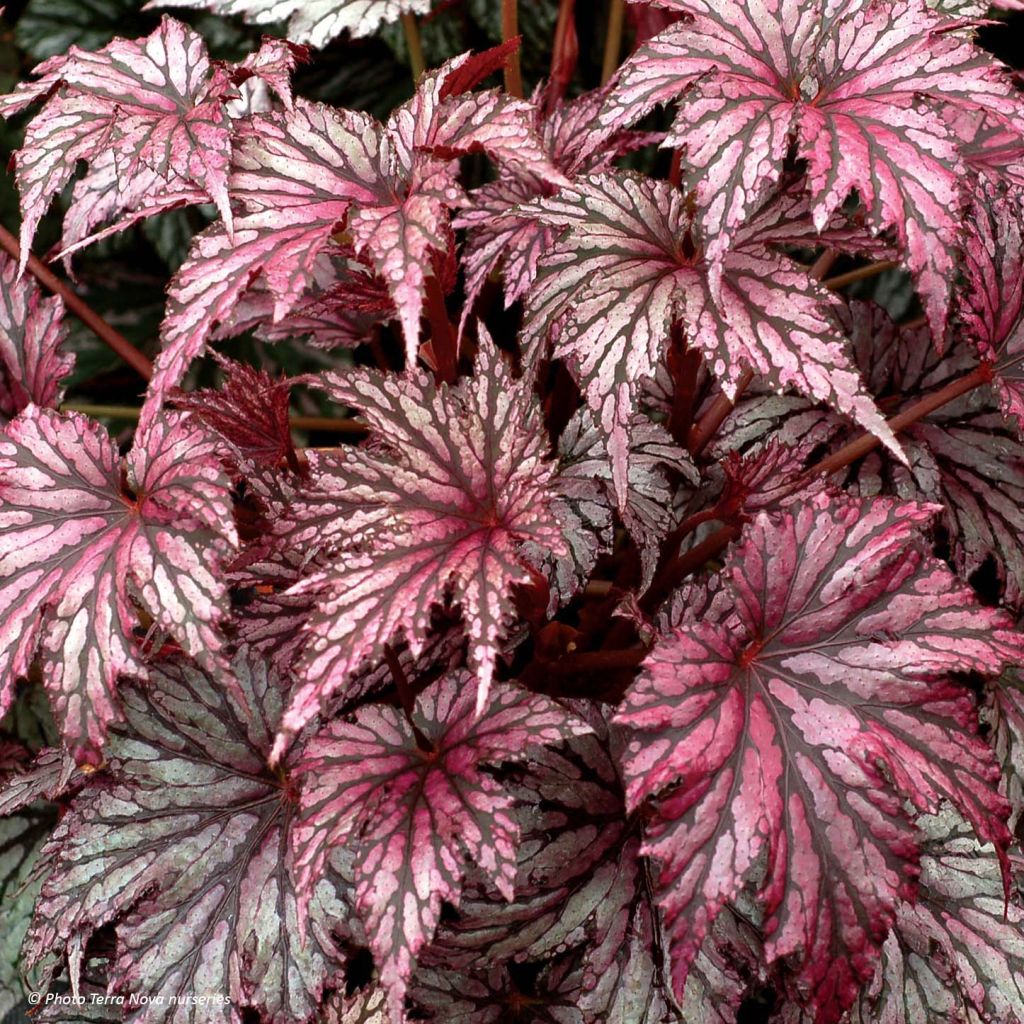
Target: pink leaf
(80, 547)
(869, 115)
(32, 331)
(455, 483)
(316, 22)
(785, 729)
(412, 815)
(628, 269)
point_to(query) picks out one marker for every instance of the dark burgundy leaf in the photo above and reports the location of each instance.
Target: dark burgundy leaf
(249, 411)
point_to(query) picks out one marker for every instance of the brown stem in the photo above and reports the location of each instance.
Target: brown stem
(860, 274)
(678, 569)
(443, 339)
(862, 445)
(417, 62)
(823, 264)
(688, 525)
(684, 366)
(509, 30)
(107, 334)
(613, 39)
(707, 426)
(675, 171)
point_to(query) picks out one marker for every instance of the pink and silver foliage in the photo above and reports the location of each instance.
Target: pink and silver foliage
(32, 365)
(409, 800)
(865, 90)
(437, 508)
(88, 539)
(634, 637)
(315, 22)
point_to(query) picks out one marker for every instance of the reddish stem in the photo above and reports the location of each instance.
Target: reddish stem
(860, 274)
(443, 339)
(684, 365)
(510, 30)
(707, 426)
(107, 334)
(678, 569)
(405, 695)
(675, 171)
(857, 449)
(565, 50)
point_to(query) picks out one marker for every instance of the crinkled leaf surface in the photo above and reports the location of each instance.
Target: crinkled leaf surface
(457, 480)
(497, 235)
(249, 411)
(153, 107)
(413, 810)
(32, 364)
(993, 304)
(21, 837)
(957, 954)
(785, 729)
(51, 774)
(85, 537)
(965, 456)
(184, 844)
(866, 90)
(586, 499)
(316, 22)
(629, 268)
(302, 175)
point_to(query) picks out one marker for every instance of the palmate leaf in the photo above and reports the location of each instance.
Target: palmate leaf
(412, 809)
(586, 500)
(32, 365)
(867, 91)
(629, 268)
(249, 411)
(993, 303)
(183, 843)
(304, 175)
(456, 482)
(84, 537)
(21, 837)
(497, 235)
(957, 954)
(965, 456)
(785, 729)
(316, 22)
(149, 116)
